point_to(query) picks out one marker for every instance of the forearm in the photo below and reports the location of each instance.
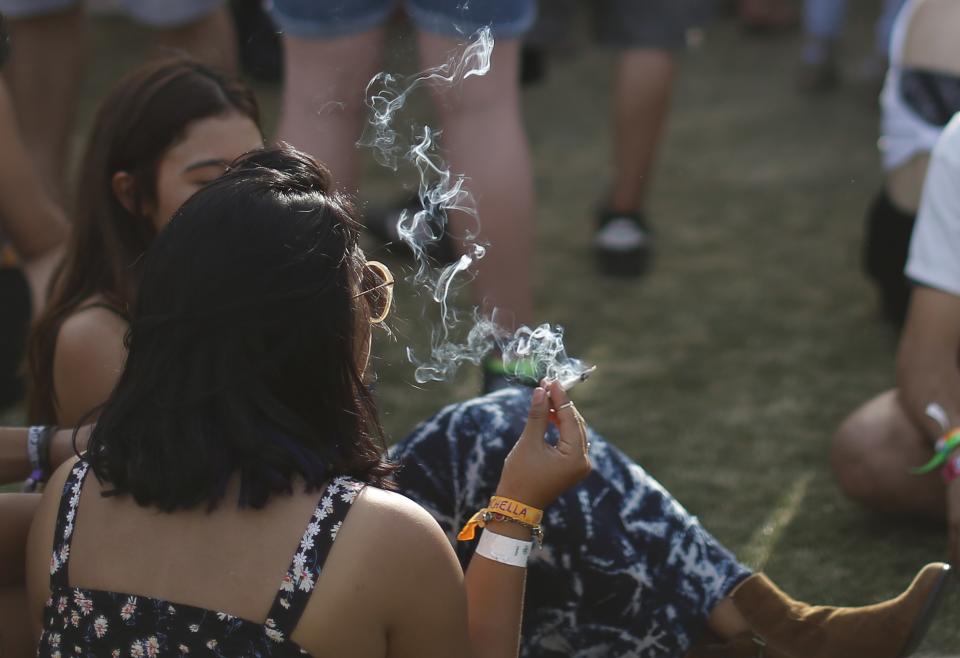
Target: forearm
(495, 600)
(927, 364)
(14, 460)
(922, 381)
(16, 515)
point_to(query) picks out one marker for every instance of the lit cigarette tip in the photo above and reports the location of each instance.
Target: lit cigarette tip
(570, 382)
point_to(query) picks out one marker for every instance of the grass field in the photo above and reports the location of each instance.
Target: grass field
(725, 372)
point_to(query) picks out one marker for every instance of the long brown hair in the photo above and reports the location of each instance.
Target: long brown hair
(145, 114)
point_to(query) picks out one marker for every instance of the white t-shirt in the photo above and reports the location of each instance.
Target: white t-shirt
(935, 246)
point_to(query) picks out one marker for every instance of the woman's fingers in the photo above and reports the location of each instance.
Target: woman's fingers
(573, 429)
(538, 417)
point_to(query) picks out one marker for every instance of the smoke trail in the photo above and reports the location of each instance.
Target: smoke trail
(439, 192)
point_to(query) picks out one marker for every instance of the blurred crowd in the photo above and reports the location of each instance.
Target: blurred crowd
(71, 251)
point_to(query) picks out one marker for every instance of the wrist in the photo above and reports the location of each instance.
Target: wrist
(520, 494)
(508, 529)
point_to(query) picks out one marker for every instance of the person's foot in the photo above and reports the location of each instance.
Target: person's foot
(819, 71)
(382, 224)
(623, 244)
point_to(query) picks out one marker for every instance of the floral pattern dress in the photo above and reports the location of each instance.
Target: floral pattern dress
(625, 570)
(92, 623)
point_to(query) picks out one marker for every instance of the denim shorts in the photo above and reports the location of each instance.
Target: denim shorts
(329, 19)
(155, 13)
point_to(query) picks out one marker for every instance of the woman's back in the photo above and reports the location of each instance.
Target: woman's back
(131, 580)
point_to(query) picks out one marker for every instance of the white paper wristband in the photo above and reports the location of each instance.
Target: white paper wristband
(505, 550)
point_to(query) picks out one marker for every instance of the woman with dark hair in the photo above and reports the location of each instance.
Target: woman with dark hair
(626, 572)
(163, 132)
(242, 412)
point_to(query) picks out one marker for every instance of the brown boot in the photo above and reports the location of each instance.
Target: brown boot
(892, 629)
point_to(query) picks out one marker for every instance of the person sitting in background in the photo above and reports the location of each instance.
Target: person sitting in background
(162, 133)
(879, 443)
(32, 232)
(46, 68)
(242, 413)
(921, 94)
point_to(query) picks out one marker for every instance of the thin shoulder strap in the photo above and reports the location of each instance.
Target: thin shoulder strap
(66, 518)
(318, 538)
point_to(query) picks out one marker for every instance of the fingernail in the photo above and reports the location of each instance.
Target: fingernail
(538, 395)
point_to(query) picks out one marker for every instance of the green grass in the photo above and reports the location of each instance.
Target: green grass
(725, 372)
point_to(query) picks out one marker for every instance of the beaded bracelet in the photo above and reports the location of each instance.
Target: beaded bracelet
(39, 438)
(943, 447)
(951, 470)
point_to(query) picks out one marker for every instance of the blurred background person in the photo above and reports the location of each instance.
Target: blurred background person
(920, 95)
(646, 37)
(32, 232)
(163, 132)
(46, 68)
(880, 442)
(333, 49)
(823, 22)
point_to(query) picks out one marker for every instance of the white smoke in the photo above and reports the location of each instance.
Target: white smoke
(440, 192)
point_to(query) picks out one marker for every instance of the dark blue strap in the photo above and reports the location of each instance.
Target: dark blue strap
(933, 96)
(308, 561)
(66, 522)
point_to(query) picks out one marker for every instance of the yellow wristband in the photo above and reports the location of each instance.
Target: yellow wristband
(511, 509)
(514, 510)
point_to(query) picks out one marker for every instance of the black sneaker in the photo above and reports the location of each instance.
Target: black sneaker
(382, 224)
(623, 244)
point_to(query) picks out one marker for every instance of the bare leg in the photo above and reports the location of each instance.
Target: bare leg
(484, 138)
(872, 454)
(323, 107)
(44, 73)
(212, 39)
(643, 90)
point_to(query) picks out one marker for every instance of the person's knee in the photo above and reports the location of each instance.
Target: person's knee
(855, 455)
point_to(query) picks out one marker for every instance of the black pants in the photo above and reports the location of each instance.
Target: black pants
(885, 249)
(14, 322)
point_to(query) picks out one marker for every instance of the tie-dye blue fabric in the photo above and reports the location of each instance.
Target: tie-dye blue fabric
(625, 570)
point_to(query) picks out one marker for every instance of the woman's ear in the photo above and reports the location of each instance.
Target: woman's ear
(123, 190)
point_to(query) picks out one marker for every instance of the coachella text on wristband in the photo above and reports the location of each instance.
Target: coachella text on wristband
(505, 509)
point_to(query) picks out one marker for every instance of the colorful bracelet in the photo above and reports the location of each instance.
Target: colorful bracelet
(951, 470)
(505, 509)
(39, 438)
(943, 447)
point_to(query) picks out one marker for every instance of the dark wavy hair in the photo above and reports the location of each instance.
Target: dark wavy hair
(244, 347)
(147, 112)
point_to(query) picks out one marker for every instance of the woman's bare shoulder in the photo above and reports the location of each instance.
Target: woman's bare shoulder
(88, 360)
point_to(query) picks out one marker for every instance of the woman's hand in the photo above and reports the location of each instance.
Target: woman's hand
(535, 472)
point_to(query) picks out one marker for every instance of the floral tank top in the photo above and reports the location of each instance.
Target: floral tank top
(93, 623)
